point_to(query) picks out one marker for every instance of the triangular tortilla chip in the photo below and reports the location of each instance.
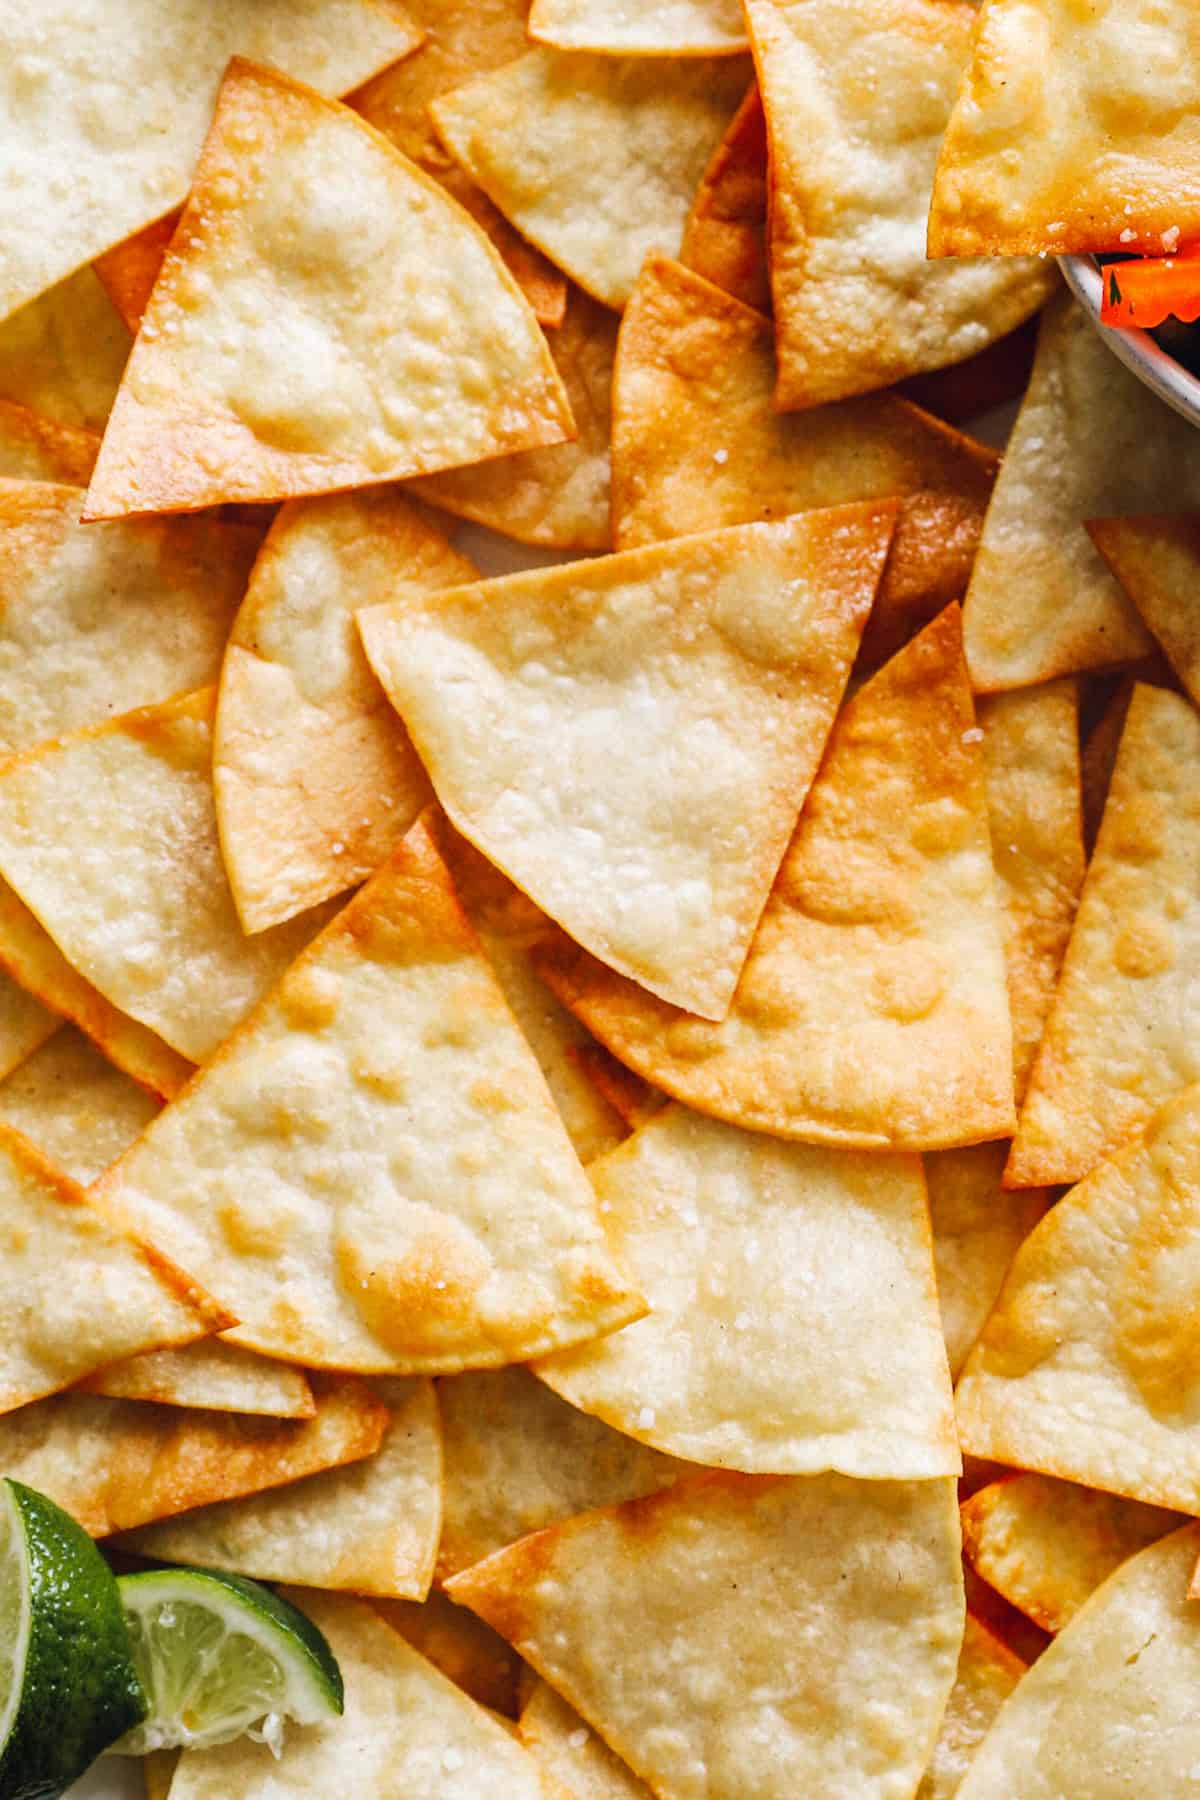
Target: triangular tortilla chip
(130, 269)
(528, 134)
(1031, 749)
(793, 1322)
(557, 497)
(725, 238)
(697, 444)
(977, 1230)
(517, 1458)
(212, 1375)
(673, 1624)
(629, 739)
(1157, 562)
(1076, 129)
(314, 777)
(118, 1464)
(80, 1110)
(613, 28)
(1046, 1545)
(1110, 1709)
(36, 449)
(472, 1655)
(384, 1182)
(1088, 1365)
(1119, 1037)
(872, 1010)
(1089, 440)
(407, 1733)
(371, 1527)
(24, 1025)
(988, 1671)
(857, 94)
(109, 836)
(326, 317)
(63, 354)
(77, 1292)
(108, 145)
(571, 1757)
(99, 619)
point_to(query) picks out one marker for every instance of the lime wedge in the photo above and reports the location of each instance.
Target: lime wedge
(68, 1685)
(219, 1655)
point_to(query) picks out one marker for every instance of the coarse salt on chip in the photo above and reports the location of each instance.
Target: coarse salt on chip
(1156, 559)
(987, 1673)
(326, 317)
(873, 1010)
(1076, 129)
(62, 355)
(977, 1230)
(213, 1376)
(613, 27)
(672, 1625)
(857, 94)
(725, 238)
(373, 1163)
(630, 738)
(571, 1756)
(793, 1323)
(36, 449)
(79, 1109)
(528, 134)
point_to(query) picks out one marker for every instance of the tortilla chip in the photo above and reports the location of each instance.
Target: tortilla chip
(793, 1322)
(1119, 1038)
(612, 28)
(1075, 129)
(977, 1230)
(725, 238)
(25, 1024)
(557, 497)
(697, 444)
(571, 1756)
(1089, 440)
(872, 1011)
(314, 777)
(988, 1671)
(371, 1527)
(79, 1109)
(1109, 1709)
(30, 956)
(653, 829)
(1157, 562)
(1047, 1545)
(407, 1734)
(212, 1375)
(472, 1655)
(672, 1625)
(1031, 749)
(373, 1163)
(1087, 1367)
(62, 354)
(158, 1769)
(108, 145)
(99, 619)
(528, 135)
(130, 269)
(109, 837)
(517, 1458)
(632, 1099)
(36, 449)
(857, 94)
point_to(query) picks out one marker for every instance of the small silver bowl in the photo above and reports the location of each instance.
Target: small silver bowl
(1162, 374)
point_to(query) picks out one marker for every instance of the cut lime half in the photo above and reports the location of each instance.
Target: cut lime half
(218, 1656)
(68, 1685)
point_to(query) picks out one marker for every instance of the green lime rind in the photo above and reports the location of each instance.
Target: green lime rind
(72, 1685)
(217, 1655)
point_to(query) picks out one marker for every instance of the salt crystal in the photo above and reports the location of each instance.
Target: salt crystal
(645, 1418)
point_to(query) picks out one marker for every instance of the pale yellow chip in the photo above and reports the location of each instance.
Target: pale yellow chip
(25, 1024)
(107, 110)
(1046, 1545)
(1120, 1037)
(675, 1625)
(117, 1464)
(571, 1756)
(373, 1164)
(109, 837)
(1088, 1367)
(557, 497)
(517, 1458)
(470, 1653)
(371, 1528)
(613, 27)
(629, 739)
(697, 444)
(873, 1010)
(99, 619)
(725, 238)
(1031, 748)
(79, 1109)
(977, 1230)
(1110, 1709)
(1076, 129)
(36, 449)
(1089, 440)
(595, 159)
(212, 1375)
(62, 355)
(857, 94)
(325, 317)
(1157, 562)
(407, 1733)
(314, 777)
(793, 1322)
(988, 1671)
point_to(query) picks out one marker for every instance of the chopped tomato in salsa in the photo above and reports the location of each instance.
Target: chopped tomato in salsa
(1151, 289)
